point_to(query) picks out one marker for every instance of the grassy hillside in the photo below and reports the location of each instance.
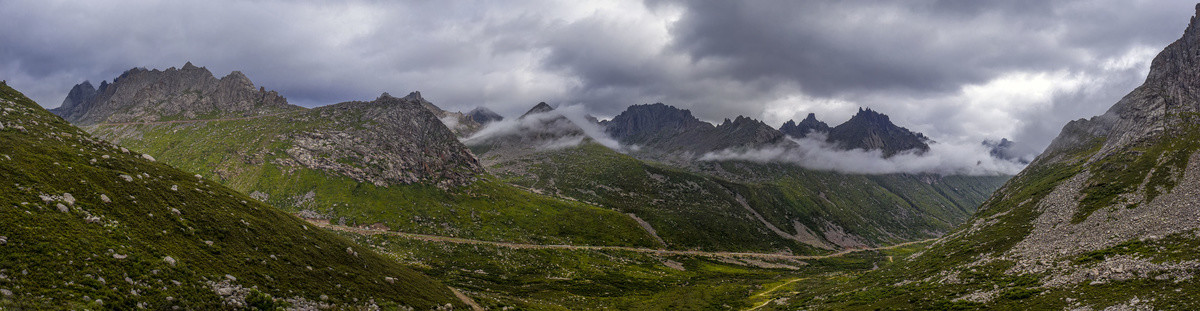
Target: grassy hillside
(561, 279)
(694, 210)
(1080, 228)
(89, 225)
(252, 156)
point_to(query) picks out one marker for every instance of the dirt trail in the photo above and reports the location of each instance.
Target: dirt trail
(193, 121)
(769, 291)
(434, 238)
(467, 300)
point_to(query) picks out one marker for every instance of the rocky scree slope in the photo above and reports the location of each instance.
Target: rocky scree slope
(91, 225)
(191, 92)
(1106, 217)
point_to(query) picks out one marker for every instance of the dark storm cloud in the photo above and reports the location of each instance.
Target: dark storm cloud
(957, 70)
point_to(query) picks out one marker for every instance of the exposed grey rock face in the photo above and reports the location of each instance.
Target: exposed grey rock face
(81, 94)
(665, 130)
(1003, 149)
(808, 125)
(484, 116)
(541, 107)
(459, 123)
(388, 141)
(191, 92)
(871, 130)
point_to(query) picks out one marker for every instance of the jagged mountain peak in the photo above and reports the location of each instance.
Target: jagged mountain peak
(416, 96)
(189, 66)
(872, 130)
(541, 107)
(808, 125)
(141, 95)
(483, 116)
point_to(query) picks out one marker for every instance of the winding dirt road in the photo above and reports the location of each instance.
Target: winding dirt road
(434, 238)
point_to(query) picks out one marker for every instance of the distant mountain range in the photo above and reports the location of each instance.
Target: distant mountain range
(667, 129)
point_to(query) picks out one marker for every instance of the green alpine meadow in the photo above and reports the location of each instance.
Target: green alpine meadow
(599, 155)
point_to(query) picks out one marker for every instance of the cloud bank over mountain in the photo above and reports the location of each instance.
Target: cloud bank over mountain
(1016, 69)
(813, 152)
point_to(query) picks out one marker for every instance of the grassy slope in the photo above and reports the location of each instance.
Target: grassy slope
(53, 259)
(241, 154)
(691, 210)
(603, 280)
(1155, 162)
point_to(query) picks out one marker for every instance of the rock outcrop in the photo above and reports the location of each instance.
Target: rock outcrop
(191, 92)
(807, 126)
(484, 116)
(871, 130)
(388, 141)
(461, 124)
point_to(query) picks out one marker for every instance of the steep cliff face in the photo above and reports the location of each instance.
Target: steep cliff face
(807, 126)
(461, 124)
(666, 131)
(871, 130)
(483, 116)
(191, 92)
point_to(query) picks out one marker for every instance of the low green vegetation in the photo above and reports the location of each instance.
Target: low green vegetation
(251, 156)
(571, 279)
(89, 225)
(694, 210)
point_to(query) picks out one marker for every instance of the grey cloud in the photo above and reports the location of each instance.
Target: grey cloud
(909, 59)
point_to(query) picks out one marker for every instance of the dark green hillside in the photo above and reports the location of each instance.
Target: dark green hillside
(85, 224)
(255, 156)
(693, 210)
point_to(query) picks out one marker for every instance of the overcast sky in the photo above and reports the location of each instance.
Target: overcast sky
(959, 71)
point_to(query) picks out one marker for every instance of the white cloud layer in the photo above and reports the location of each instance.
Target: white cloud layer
(813, 152)
(563, 127)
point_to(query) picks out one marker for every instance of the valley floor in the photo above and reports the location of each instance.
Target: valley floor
(495, 275)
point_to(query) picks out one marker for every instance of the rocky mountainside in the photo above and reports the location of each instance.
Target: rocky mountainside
(362, 143)
(871, 130)
(662, 130)
(191, 92)
(654, 125)
(484, 116)
(386, 141)
(1004, 149)
(459, 123)
(1105, 218)
(667, 132)
(541, 128)
(807, 126)
(92, 225)
(388, 162)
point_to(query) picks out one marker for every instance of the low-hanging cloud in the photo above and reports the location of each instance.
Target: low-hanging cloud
(813, 152)
(560, 128)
